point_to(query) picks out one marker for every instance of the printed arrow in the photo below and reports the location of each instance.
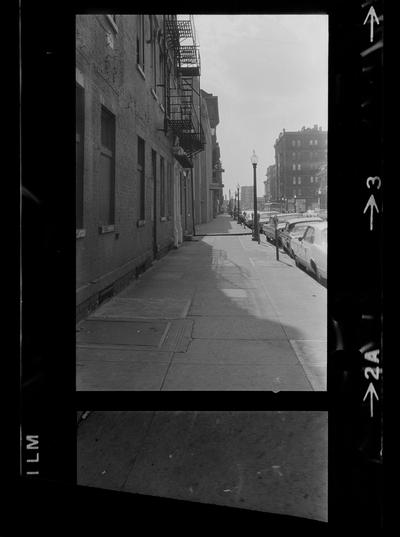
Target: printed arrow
(371, 392)
(371, 204)
(373, 17)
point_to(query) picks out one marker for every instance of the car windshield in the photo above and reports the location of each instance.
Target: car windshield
(298, 230)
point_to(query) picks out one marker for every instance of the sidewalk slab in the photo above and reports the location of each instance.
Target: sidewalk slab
(142, 308)
(204, 377)
(90, 356)
(238, 352)
(237, 328)
(149, 334)
(128, 376)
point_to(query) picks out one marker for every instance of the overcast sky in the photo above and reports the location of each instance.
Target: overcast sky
(269, 72)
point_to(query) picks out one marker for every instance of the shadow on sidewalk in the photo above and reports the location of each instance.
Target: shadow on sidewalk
(221, 331)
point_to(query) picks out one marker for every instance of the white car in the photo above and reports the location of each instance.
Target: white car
(310, 250)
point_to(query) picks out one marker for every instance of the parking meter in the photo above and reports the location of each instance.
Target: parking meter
(275, 220)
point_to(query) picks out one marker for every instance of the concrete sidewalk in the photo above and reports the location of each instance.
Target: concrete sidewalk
(266, 461)
(219, 313)
(222, 224)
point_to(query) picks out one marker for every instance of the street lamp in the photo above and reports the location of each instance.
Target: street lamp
(319, 198)
(282, 202)
(294, 203)
(235, 209)
(238, 191)
(256, 231)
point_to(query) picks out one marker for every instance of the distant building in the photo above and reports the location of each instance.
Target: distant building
(246, 198)
(270, 186)
(216, 185)
(299, 156)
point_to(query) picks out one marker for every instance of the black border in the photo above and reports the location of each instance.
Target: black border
(47, 42)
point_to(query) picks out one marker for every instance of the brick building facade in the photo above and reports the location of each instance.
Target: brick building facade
(141, 149)
(299, 156)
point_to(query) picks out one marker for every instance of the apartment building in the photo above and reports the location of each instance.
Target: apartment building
(139, 142)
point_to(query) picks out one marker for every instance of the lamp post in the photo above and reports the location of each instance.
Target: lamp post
(319, 198)
(282, 202)
(294, 203)
(256, 231)
(238, 191)
(235, 209)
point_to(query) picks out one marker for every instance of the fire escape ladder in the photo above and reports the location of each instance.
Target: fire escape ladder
(183, 102)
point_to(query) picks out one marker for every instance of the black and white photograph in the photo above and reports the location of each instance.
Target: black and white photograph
(186, 127)
(174, 267)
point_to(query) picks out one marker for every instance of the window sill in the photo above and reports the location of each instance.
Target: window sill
(154, 94)
(112, 23)
(139, 68)
(106, 229)
(80, 233)
(141, 223)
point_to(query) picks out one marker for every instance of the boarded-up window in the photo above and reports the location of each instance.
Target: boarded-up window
(154, 175)
(169, 189)
(162, 187)
(107, 168)
(80, 133)
(141, 177)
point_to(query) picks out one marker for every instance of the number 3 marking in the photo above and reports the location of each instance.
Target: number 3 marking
(372, 180)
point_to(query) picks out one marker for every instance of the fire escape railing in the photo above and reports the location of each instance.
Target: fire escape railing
(183, 102)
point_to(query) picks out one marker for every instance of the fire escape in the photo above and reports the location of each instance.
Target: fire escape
(182, 114)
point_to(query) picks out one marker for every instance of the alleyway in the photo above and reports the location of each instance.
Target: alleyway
(219, 313)
(265, 461)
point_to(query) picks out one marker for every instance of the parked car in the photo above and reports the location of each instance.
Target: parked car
(310, 250)
(250, 218)
(264, 218)
(295, 228)
(269, 227)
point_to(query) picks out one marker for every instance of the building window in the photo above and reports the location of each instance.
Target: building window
(141, 177)
(311, 142)
(294, 180)
(161, 70)
(294, 192)
(140, 41)
(107, 168)
(293, 155)
(299, 191)
(315, 142)
(311, 179)
(80, 134)
(299, 166)
(293, 143)
(299, 180)
(293, 166)
(162, 187)
(153, 51)
(298, 143)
